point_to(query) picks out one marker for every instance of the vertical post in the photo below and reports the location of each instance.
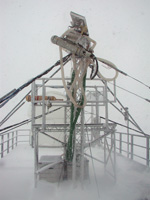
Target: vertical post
(128, 138)
(114, 154)
(74, 162)
(147, 151)
(82, 147)
(97, 131)
(8, 143)
(43, 105)
(126, 117)
(106, 106)
(65, 129)
(16, 138)
(97, 108)
(115, 90)
(35, 157)
(105, 154)
(33, 112)
(106, 123)
(65, 140)
(2, 146)
(30, 141)
(12, 140)
(132, 147)
(92, 120)
(120, 143)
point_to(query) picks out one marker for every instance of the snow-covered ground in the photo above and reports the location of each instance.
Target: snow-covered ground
(17, 180)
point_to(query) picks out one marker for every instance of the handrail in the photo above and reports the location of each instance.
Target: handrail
(127, 147)
(132, 134)
(9, 140)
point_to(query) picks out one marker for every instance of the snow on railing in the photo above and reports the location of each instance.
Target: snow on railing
(133, 146)
(9, 140)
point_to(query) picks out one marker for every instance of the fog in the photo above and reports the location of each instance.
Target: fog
(17, 180)
(121, 30)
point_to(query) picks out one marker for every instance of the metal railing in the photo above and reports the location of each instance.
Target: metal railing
(9, 140)
(133, 146)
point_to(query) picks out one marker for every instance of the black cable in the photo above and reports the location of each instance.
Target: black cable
(16, 125)
(137, 95)
(93, 74)
(2, 104)
(16, 107)
(13, 126)
(125, 126)
(120, 124)
(63, 143)
(139, 81)
(8, 94)
(125, 74)
(11, 113)
(32, 80)
(148, 100)
(133, 121)
(6, 100)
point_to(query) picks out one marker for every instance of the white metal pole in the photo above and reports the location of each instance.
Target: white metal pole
(43, 105)
(106, 124)
(82, 146)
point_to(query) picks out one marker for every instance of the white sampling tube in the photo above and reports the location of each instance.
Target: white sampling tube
(110, 64)
(76, 79)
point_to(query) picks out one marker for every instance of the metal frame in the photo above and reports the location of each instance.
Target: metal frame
(126, 146)
(82, 128)
(6, 139)
(9, 140)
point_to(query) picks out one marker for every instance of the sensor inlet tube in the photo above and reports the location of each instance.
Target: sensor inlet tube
(73, 48)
